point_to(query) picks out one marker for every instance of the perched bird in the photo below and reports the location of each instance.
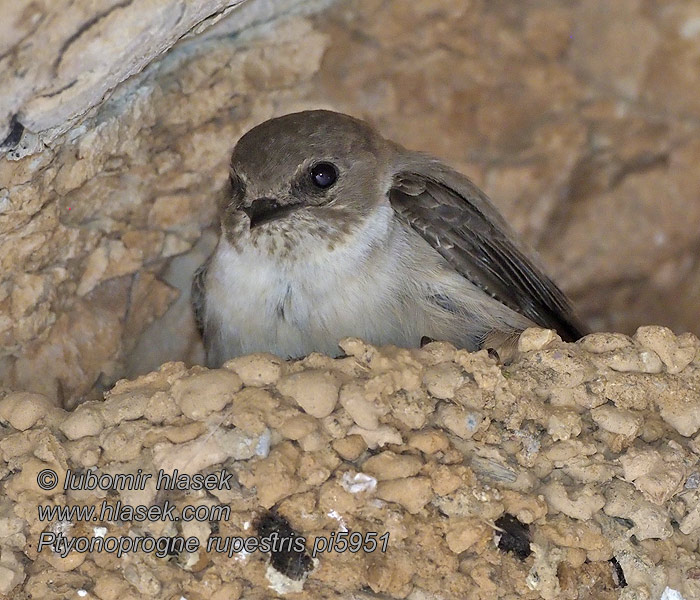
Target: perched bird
(329, 230)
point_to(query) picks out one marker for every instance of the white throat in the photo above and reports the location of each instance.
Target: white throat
(306, 300)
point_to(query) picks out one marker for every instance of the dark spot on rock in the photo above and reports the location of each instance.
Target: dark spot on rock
(425, 340)
(617, 573)
(15, 135)
(624, 522)
(514, 536)
(288, 554)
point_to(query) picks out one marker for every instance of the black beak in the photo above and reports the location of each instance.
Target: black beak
(263, 210)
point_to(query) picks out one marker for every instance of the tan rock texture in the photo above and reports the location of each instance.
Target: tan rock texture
(498, 508)
(89, 223)
(60, 58)
(581, 120)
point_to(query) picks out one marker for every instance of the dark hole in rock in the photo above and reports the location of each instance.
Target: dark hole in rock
(514, 536)
(15, 135)
(618, 573)
(425, 340)
(286, 556)
(625, 522)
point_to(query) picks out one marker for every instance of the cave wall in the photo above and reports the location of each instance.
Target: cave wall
(92, 221)
(581, 119)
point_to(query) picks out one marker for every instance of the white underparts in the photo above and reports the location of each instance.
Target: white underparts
(376, 284)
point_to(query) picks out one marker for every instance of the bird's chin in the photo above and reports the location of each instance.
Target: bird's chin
(237, 226)
(281, 214)
(271, 212)
(290, 232)
(293, 223)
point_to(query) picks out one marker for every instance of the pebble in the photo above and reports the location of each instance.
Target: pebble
(258, 369)
(315, 391)
(83, 421)
(413, 493)
(202, 394)
(389, 465)
(23, 410)
(534, 338)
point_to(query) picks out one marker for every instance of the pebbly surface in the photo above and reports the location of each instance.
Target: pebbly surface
(573, 473)
(581, 119)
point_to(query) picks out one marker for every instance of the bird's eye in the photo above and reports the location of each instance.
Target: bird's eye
(323, 175)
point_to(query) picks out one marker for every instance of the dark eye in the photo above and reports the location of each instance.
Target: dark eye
(323, 175)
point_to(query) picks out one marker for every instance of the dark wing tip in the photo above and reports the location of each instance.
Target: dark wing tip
(441, 204)
(198, 296)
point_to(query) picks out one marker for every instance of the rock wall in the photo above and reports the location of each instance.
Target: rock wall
(581, 119)
(572, 473)
(60, 58)
(90, 223)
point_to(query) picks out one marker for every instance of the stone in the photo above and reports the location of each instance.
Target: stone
(388, 465)
(23, 409)
(201, 394)
(619, 421)
(536, 339)
(584, 504)
(256, 369)
(366, 412)
(315, 391)
(55, 99)
(85, 421)
(463, 533)
(429, 441)
(412, 493)
(350, 448)
(664, 343)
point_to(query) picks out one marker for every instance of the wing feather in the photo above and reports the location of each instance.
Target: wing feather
(460, 222)
(199, 297)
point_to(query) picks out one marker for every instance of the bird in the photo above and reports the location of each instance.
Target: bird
(329, 230)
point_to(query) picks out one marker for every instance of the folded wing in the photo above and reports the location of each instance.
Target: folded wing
(460, 223)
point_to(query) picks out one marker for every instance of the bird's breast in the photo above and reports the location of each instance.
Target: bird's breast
(305, 300)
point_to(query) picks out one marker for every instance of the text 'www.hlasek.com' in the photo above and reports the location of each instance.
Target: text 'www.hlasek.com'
(57, 537)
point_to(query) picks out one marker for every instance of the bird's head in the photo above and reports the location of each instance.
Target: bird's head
(311, 172)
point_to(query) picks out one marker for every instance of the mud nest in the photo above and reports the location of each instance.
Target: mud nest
(573, 472)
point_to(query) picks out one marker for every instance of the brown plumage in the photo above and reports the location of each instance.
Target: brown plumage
(329, 230)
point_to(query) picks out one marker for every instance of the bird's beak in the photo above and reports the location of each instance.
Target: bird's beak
(263, 210)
